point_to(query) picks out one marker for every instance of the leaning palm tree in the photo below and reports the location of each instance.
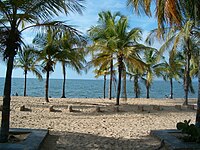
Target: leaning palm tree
(15, 17)
(26, 60)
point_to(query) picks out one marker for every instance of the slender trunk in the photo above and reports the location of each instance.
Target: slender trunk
(64, 80)
(25, 79)
(104, 87)
(136, 87)
(198, 100)
(124, 83)
(171, 88)
(147, 87)
(47, 87)
(187, 73)
(119, 80)
(5, 121)
(111, 79)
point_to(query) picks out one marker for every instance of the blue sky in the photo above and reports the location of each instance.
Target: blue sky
(83, 23)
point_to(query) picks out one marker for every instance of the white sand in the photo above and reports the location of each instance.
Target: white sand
(86, 129)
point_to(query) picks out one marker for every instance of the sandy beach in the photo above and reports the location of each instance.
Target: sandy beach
(85, 128)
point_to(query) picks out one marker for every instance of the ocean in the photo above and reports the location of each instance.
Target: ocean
(78, 88)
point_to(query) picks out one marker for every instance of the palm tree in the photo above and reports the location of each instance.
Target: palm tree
(127, 49)
(72, 54)
(103, 36)
(26, 60)
(172, 69)
(135, 74)
(48, 43)
(17, 16)
(103, 73)
(178, 12)
(151, 58)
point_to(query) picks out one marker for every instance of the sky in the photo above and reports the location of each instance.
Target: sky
(83, 23)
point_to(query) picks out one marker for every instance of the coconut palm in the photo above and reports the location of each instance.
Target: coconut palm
(71, 54)
(26, 60)
(172, 69)
(49, 45)
(127, 49)
(17, 16)
(103, 36)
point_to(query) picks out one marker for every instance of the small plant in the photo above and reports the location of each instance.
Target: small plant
(192, 132)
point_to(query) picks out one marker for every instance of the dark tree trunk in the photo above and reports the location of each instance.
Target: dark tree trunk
(187, 73)
(136, 87)
(171, 88)
(198, 100)
(111, 79)
(25, 80)
(104, 87)
(5, 121)
(148, 88)
(64, 80)
(47, 88)
(119, 80)
(124, 83)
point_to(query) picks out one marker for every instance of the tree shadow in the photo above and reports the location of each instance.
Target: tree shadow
(82, 141)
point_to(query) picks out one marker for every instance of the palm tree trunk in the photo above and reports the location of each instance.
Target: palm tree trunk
(47, 88)
(124, 83)
(171, 88)
(104, 87)
(119, 80)
(64, 80)
(25, 79)
(148, 88)
(5, 121)
(136, 86)
(187, 74)
(111, 79)
(198, 100)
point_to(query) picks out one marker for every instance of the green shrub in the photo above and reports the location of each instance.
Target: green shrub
(191, 131)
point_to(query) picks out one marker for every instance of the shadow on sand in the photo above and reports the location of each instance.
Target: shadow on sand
(82, 141)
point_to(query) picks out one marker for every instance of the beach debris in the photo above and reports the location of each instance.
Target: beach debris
(140, 108)
(23, 108)
(116, 108)
(178, 107)
(51, 109)
(70, 109)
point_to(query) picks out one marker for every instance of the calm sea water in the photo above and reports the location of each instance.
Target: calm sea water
(90, 88)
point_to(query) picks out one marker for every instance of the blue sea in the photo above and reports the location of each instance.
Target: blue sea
(78, 88)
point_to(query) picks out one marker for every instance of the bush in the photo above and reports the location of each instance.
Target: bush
(192, 132)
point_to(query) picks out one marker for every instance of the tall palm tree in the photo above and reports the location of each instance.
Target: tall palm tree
(71, 54)
(103, 36)
(26, 60)
(48, 43)
(151, 58)
(127, 49)
(15, 17)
